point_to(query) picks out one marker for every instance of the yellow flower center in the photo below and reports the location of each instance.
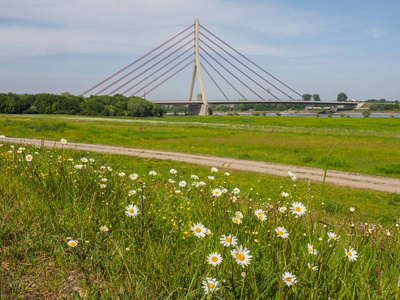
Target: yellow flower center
(131, 210)
(261, 217)
(240, 256)
(259, 213)
(236, 220)
(198, 230)
(237, 215)
(280, 232)
(210, 285)
(297, 208)
(214, 259)
(349, 253)
(228, 239)
(310, 250)
(331, 237)
(288, 278)
(72, 244)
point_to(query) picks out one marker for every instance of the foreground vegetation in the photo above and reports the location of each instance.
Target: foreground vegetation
(78, 224)
(279, 140)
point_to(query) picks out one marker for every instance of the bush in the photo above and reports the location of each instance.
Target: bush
(366, 113)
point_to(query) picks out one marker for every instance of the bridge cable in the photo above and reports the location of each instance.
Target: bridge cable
(152, 66)
(162, 52)
(221, 76)
(139, 59)
(190, 62)
(242, 72)
(214, 81)
(159, 69)
(250, 70)
(252, 62)
(173, 67)
(231, 74)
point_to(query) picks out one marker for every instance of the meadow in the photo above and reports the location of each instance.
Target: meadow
(368, 146)
(85, 225)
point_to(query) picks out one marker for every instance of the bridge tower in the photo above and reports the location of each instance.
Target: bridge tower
(197, 70)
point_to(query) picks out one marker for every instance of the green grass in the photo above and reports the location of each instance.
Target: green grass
(357, 153)
(48, 201)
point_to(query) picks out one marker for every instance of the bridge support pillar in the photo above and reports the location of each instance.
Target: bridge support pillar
(333, 108)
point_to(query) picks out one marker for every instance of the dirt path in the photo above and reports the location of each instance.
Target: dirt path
(385, 184)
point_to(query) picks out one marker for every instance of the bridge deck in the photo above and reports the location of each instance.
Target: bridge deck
(302, 102)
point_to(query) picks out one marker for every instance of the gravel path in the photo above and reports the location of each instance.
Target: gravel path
(385, 184)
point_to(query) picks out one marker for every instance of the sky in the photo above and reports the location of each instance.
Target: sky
(313, 46)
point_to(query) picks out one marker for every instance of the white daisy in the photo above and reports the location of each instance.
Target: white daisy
(121, 174)
(28, 157)
(72, 243)
(236, 191)
(210, 285)
(214, 170)
(224, 191)
(133, 176)
(291, 175)
(262, 217)
(234, 198)
(2, 136)
(281, 231)
(104, 228)
(103, 186)
(195, 184)
(199, 230)
(229, 240)
(352, 209)
(216, 192)
(171, 180)
(242, 255)
(131, 210)
(288, 278)
(314, 268)
(91, 160)
(351, 253)
(152, 173)
(84, 159)
(214, 259)
(63, 141)
(227, 174)
(236, 220)
(131, 193)
(298, 208)
(210, 177)
(104, 179)
(284, 194)
(282, 209)
(173, 171)
(194, 176)
(208, 231)
(182, 183)
(239, 215)
(177, 191)
(202, 183)
(258, 212)
(311, 249)
(78, 167)
(332, 236)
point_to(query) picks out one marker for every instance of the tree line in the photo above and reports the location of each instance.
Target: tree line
(116, 105)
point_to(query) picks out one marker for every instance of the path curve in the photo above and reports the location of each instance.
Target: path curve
(385, 184)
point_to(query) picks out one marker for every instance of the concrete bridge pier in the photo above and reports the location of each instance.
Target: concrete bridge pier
(333, 108)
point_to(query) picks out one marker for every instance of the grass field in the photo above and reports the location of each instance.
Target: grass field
(66, 230)
(273, 139)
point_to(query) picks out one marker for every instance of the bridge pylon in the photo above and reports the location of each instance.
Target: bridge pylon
(197, 70)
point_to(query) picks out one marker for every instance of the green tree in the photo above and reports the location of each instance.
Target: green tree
(307, 97)
(316, 97)
(342, 97)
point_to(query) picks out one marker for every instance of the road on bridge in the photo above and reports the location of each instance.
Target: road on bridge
(385, 184)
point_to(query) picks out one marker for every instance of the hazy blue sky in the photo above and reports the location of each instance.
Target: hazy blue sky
(315, 46)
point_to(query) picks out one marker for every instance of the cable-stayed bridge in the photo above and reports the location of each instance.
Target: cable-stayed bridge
(224, 67)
